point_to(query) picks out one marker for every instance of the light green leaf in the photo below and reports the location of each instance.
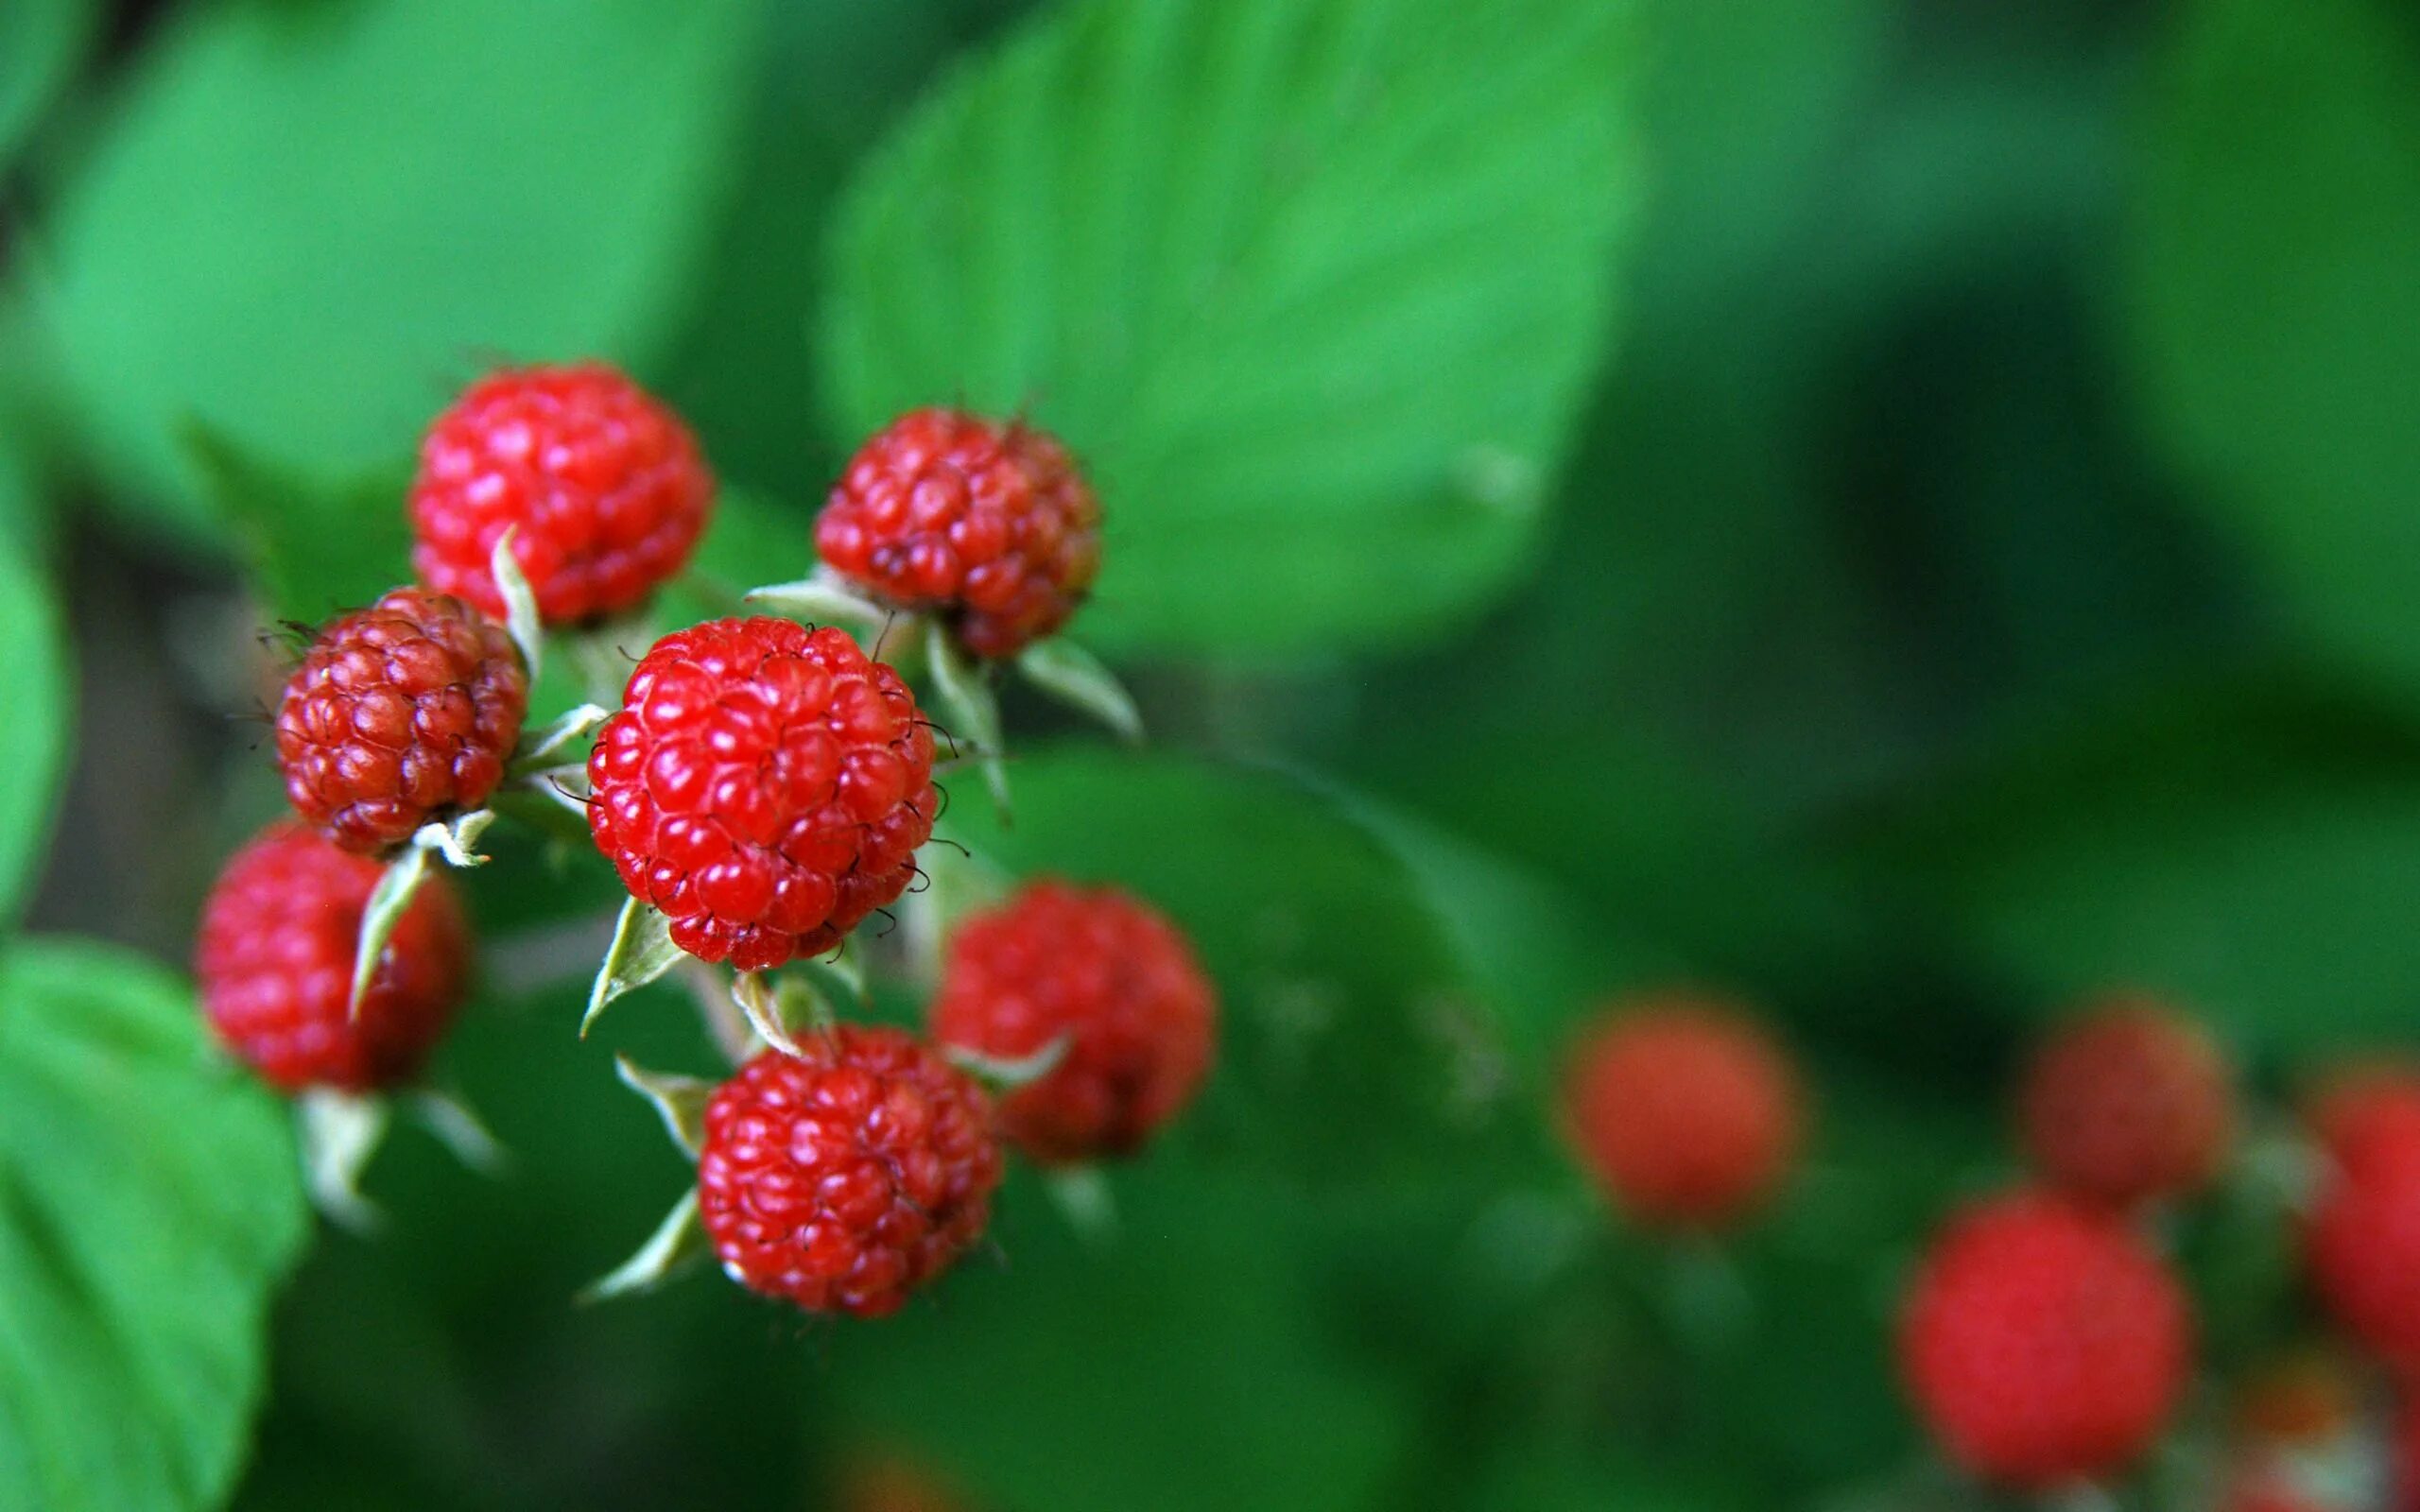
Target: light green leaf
(41, 42)
(1313, 287)
(34, 688)
(2275, 318)
(148, 1202)
(313, 547)
(1077, 678)
(452, 180)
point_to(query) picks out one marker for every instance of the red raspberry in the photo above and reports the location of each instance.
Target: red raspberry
(2363, 1239)
(988, 523)
(400, 714)
(275, 965)
(2128, 1103)
(1109, 972)
(606, 485)
(2043, 1343)
(765, 785)
(848, 1176)
(1684, 1109)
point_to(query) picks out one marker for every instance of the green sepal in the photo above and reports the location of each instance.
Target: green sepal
(641, 950)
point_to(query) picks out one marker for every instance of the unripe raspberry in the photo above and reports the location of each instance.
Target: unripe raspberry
(603, 488)
(1111, 975)
(1684, 1109)
(2043, 1343)
(401, 714)
(2364, 1238)
(274, 962)
(848, 1176)
(2128, 1103)
(988, 523)
(765, 785)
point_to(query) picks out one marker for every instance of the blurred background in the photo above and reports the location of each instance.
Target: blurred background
(1901, 511)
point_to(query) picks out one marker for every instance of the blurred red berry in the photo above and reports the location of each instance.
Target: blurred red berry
(895, 1484)
(2128, 1103)
(848, 1176)
(400, 714)
(2364, 1238)
(1107, 972)
(1686, 1109)
(605, 486)
(765, 785)
(274, 963)
(2043, 1343)
(988, 524)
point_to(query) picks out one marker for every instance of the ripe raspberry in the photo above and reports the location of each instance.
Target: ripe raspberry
(848, 1176)
(275, 961)
(2362, 1243)
(2043, 1343)
(765, 785)
(990, 523)
(1684, 1109)
(400, 714)
(605, 484)
(2128, 1103)
(1109, 972)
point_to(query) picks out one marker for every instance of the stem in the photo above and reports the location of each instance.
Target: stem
(725, 1025)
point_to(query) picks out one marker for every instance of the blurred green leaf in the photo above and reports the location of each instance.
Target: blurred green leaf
(34, 688)
(1314, 287)
(2275, 320)
(307, 224)
(1343, 982)
(315, 548)
(2247, 846)
(148, 1202)
(1182, 1366)
(41, 42)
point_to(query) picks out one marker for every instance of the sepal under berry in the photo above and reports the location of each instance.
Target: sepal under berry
(821, 599)
(679, 1245)
(520, 604)
(962, 692)
(641, 950)
(1076, 677)
(1003, 1074)
(338, 1132)
(456, 841)
(680, 1101)
(559, 747)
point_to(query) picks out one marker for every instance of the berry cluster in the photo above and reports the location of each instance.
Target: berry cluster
(761, 787)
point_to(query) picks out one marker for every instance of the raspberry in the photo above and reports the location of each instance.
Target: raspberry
(988, 524)
(2130, 1103)
(2042, 1342)
(400, 714)
(2362, 1245)
(1110, 973)
(275, 955)
(1686, 1110)
(606, 487)
(848, 1176)
(765, 785)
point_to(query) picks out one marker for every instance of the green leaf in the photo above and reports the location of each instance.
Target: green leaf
(313, 547)
(41, 44)
(2247, 846)
(1115, 1383)
(1313, 286)
(2276, 324)
(148, 1203)
(34, 689)
(452, 180)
